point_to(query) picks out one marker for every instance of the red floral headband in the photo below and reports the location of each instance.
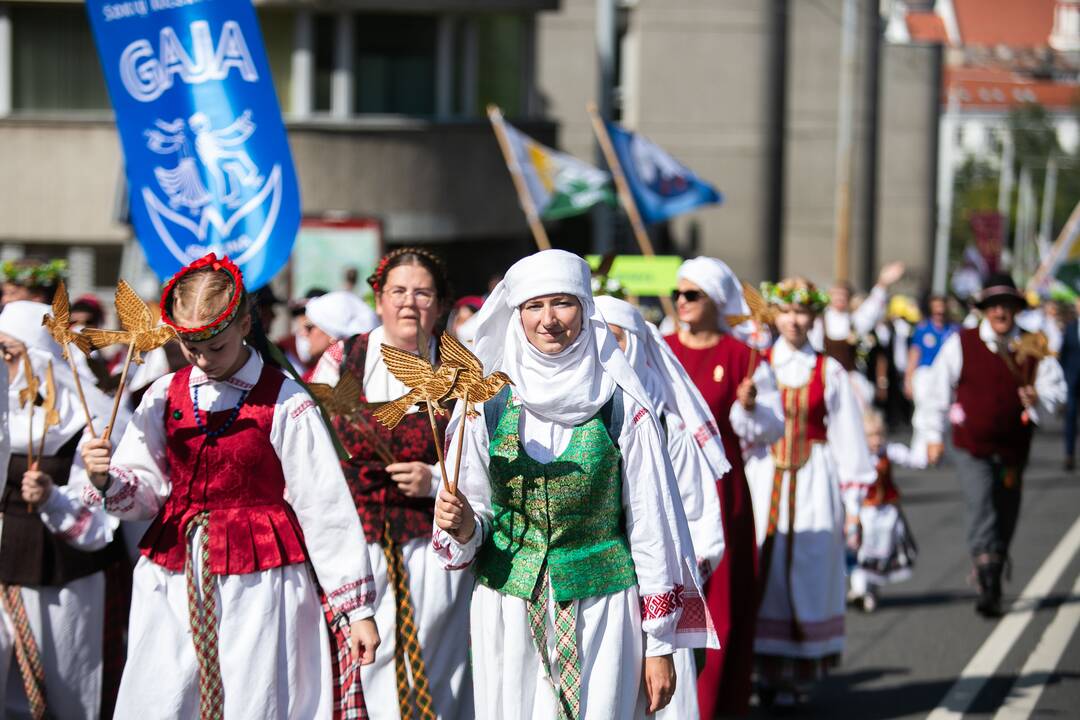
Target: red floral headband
(211, 263)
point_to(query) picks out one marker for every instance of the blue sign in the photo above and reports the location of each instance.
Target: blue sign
(661, 185)
(208, 162)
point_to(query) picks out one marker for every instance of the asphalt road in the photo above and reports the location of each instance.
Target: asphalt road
(904, 660)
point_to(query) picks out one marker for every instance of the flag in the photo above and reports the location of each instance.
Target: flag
(205, 152)
(662, 186)
(559, 184)
(1059, 271)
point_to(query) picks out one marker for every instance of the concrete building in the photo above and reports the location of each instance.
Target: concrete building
(384, 103)
(695, 76)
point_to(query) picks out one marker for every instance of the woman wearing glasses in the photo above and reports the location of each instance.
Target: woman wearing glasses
(421, 669)
(741, 392)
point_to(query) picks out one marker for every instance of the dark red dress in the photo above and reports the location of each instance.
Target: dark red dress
(724, 683)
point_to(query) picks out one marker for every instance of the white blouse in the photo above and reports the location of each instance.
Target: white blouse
(314, 485)
(648, 507)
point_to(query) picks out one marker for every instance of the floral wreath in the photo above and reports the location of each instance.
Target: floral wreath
(607, 285)
(207, 263)
(377, 278)
(795, 291)
(34, 274)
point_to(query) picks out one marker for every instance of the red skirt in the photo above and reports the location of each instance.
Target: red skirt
(731, 595)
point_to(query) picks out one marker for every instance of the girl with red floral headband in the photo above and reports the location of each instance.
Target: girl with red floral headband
(233, 463)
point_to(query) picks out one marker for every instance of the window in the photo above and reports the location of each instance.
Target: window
(56, 65)
(501, 41)
(277, 32)
(324, 61)
(394, 70)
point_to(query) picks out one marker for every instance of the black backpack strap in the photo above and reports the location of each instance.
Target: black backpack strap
(494, 409)
(612, 415)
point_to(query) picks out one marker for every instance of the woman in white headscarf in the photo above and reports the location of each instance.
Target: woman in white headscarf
(53, 548)
(741, 393)
(568, 513)
(332, 318)
(696, 452)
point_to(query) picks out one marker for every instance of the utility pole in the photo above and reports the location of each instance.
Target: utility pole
(775, 139)
(868, 185)
(845, 129)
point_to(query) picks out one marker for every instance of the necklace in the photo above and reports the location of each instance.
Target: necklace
(228, 421)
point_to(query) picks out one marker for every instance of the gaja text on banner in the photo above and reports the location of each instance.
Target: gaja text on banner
(207, 160)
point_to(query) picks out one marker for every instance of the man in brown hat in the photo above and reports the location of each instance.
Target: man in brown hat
(993, 383)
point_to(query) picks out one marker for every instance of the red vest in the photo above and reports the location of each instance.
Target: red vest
(987, 391)
(236, 478)
(804, 418)
(883, 491)
(379, 503)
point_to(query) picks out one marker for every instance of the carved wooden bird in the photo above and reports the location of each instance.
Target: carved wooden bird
(138, 323)
(29, 393)
(472, 386)
(426, 384)
(59, 323)
(341, 400)
(760, 311)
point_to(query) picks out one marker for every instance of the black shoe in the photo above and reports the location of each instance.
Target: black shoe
(1070, 463)
(988, 572)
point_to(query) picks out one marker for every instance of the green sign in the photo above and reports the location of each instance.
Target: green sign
(641, 275)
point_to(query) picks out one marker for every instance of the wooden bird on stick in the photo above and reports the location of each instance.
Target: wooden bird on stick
(141, 334)
(343, 400)
(52, 415)
(425, 383)
(471, 387)
(28, 399)
(59, 325)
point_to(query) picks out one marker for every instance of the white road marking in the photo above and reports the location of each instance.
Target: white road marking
(1040, 666)
(986, 660)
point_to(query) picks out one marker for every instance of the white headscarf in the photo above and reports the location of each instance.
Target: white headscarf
(722, 286)
(568, 388)
(22, 321)
(670, 388)
(341, 314)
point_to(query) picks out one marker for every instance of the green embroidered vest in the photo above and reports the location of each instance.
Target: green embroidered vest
(567, 513)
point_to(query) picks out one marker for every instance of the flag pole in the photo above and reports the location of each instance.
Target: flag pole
(626, 198)
(1059, 251)
(538, 232)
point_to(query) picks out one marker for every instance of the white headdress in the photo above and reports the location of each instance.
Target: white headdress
(341, 314)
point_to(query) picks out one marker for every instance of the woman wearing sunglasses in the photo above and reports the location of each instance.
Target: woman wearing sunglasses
(741, 392)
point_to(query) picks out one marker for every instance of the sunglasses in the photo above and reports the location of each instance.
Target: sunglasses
(687, 295)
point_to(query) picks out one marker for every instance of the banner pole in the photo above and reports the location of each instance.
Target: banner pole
(626, 198)
(1061, 248)
(538, 232)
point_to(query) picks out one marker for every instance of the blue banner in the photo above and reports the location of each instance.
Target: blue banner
(662, 186)
(207, 160)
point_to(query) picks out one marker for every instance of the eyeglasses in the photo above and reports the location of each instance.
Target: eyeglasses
(398, 296)
(688, 295)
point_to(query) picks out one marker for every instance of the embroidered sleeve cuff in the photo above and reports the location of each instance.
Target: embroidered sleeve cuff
(355, 600)
(452, 554)
(660, 614)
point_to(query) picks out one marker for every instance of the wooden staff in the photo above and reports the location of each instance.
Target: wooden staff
(120, 390)
(460, 443)
(538, 232)
(79, 390)
(424, 351)
(626, 197)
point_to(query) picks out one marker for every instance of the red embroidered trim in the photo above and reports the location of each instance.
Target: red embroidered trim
(349, 587)
(440, 549)
(348, 606)
(79, 526)
(705, 433)
(222, 321)
(638, 415)
(91, 496)
(112, 502)
(302, 408)
(337, 352)
(662, 604)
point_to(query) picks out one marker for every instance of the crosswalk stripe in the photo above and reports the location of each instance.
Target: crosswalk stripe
(986, 660)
